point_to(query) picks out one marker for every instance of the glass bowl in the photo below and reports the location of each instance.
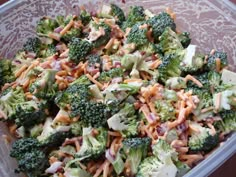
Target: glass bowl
(211, 23)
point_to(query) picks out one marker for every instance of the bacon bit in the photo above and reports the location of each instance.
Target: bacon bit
(189, 159)
(111, 133)
(55, 36)
(218, 64)
(155, 64)
(197, 82)
(23, 68)
(218, 101)
(110, 43)
(100, 86)
(67, 27)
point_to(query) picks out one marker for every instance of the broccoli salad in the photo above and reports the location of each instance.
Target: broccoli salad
(110, 94)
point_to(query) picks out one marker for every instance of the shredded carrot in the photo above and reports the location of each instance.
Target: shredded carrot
(189, 159)
(100, 169)
(155, 64)
(207, 109)
(212, 52)
(106, 169)
(218, 64)
(132, 80)
(218, 101)
(110, 43)
(197, 82)
(67, 27)
(100, 86)
(65, 67)
(65, 53)
(19, 72)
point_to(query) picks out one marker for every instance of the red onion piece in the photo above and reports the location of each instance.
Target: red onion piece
(117, 64)
(117, 80)
(58, 29)
(109, 156)
(31, 55)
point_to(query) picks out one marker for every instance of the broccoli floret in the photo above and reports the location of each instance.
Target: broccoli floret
(9, 101)
(201, 138)
(228, 122)
(159, 23)
(169, 67)
(69, 35)
(48, 50)
(107, 76)
(165, 110)
(52, 137)
(192, 62)
(94, 60)
(91, 113)
(169, 42)
(136, 14)
(162, 163)
(163, 150)
(75, 92)
(152, 166)
(29, 113)
(170, 95)
(149, 49)
(138, 35)
(176, 83)
(211, 60)
(45, 87)
(125, 121)
(82, 80)
(117, 163)
(185, 39)
(45, 26)
(135, 150)
(93, 146)
(113, 11)
(103, 37)
(76, 171)
(79, 49)
(182, 168)
(227, 99)
(32, 160)
(85, 17)
(77, 128)
(33, 45)
(6, 72)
